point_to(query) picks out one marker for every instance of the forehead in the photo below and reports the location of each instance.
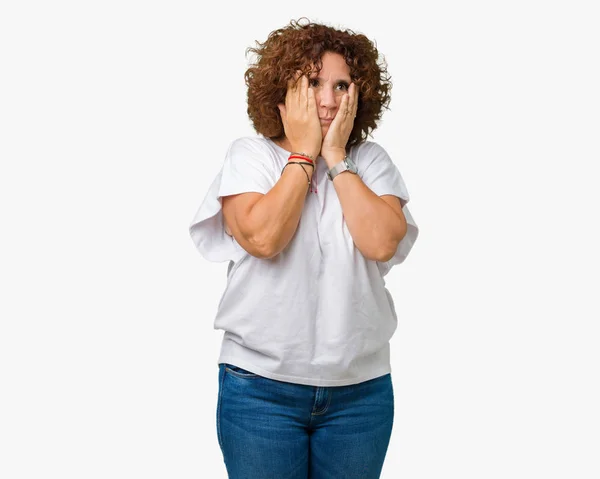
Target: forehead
(334, 64)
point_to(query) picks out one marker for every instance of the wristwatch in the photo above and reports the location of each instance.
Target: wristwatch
(345, 165)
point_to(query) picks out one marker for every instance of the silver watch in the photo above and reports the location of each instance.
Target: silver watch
(345, 165)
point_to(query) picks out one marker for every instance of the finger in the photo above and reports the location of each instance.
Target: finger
(341, 114)
(310, 100)
(303, 91)
(293, 81)
(292, 88)
(296, 84)
(353, 99)
(344, 107)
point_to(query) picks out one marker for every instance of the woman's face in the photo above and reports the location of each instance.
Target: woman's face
(329, 86)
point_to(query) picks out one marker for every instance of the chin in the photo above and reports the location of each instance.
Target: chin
(324, 130)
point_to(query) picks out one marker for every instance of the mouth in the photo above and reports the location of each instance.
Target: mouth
(326, 121)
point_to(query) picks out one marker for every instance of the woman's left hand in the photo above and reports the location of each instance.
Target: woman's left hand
(339, 131)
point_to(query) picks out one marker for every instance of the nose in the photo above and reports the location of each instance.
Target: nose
(327, 98)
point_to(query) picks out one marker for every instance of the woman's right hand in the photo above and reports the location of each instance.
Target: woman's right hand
(300, 118)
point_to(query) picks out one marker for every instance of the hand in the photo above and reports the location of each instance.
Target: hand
(300, 118)
(334, 143)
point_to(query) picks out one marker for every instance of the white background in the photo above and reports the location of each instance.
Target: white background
(115, 116)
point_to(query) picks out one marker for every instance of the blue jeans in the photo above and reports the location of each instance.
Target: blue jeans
(273, 429)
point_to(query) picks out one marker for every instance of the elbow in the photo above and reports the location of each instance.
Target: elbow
(252, 245)
(260, 254)
(387, 252)
(267, 252)
(261, 248)
(384, 255)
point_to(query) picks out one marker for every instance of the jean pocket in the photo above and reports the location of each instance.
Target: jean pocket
(239, 372)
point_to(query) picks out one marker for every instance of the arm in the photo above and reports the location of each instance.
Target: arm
(264, 224)
(376, 223)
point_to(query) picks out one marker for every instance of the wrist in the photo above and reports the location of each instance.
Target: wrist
(333, 157)
(310, 152)
(303, 157)
(307, 169)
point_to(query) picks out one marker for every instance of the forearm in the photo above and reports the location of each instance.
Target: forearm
(276, 215)
(374, 226)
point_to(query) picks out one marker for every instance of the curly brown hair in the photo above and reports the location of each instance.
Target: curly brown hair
(299, 46)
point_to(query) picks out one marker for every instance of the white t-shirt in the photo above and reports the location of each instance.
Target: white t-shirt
(318, 313)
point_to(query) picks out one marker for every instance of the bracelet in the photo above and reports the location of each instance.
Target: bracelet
(300, 157)
(300, 163)
(305, 155)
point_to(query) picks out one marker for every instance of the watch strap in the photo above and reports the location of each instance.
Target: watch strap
(340, 168)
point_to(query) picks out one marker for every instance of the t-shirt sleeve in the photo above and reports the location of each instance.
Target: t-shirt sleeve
(248, 167)
(382, 176)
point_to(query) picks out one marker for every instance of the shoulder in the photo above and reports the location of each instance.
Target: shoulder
(367, 152)
(252, 157)
(368, 148)
(257, 150)
(251, 144)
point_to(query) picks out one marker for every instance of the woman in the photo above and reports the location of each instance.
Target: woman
(311, 217)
